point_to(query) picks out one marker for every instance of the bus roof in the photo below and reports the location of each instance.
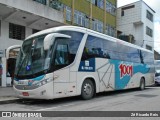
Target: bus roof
(85, 30)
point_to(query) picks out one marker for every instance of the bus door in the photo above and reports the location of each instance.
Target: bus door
(61, 71)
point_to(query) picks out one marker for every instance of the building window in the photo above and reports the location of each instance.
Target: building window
(128, 7)
(122, 12)
(100, 3)
(107, 6)
(97, 25)
(100, 26)
(87, 22)
(149, 31)
(110, 30)
(93, 1)
(149, 16)
(111, 8)
(41, 1)
(16, 31)
(68, 13)
(81, 19)
(35, 31)
(148, 47)
(76, 16)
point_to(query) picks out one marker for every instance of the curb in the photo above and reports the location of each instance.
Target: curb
(7, 100)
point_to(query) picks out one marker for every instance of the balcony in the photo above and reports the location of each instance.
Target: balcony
(138, 23)
(33, 13)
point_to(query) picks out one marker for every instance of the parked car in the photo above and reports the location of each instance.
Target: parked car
(157, 78)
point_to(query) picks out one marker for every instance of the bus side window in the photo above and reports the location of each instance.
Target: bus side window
(61, 56)
(85, 54)
(96, 47)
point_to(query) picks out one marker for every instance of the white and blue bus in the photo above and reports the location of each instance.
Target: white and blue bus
(69, 61)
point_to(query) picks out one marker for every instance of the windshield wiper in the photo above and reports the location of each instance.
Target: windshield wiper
(29, 56)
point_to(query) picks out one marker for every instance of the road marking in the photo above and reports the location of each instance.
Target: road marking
(55, 107)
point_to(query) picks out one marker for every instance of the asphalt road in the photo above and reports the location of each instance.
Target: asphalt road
(127, 100)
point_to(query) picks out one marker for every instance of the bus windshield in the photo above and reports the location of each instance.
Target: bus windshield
(34, 61)
(32, 58)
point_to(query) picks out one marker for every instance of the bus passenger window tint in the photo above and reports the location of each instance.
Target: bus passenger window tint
(73, 43)
(98, 48)
(61, 55)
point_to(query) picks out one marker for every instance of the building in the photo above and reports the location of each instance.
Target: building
(135, 24)
(21, 18)
(98, 15)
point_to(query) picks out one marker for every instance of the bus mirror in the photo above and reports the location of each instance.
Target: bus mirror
(12, 48)
(49, 39)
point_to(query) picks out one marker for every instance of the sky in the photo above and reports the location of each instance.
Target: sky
(155, 5)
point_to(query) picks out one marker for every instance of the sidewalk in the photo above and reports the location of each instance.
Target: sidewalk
(7, 95)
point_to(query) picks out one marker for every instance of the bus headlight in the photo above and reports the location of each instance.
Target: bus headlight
(43, 82)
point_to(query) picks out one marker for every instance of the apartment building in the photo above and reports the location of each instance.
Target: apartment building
(135, 24)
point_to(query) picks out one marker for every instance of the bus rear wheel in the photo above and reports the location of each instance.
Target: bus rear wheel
(87, 90)
(142, 84)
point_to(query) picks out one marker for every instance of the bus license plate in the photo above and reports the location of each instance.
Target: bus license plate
(23, 82)
(25, 93)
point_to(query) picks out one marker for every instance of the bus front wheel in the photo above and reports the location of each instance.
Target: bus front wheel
(142, 84)
(87, 90)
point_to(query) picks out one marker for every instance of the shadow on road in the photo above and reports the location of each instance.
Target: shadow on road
(59, 101)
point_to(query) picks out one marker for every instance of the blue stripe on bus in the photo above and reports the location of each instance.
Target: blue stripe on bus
(121, 79)
(35, 79)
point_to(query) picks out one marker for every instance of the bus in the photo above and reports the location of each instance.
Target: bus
(71, 61)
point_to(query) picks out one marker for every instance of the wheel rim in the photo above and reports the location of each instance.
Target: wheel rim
(87, 89)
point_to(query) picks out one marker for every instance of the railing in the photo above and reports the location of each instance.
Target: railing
(41, 1)
(55, 4)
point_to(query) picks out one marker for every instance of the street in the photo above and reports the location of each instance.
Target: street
(127, 100)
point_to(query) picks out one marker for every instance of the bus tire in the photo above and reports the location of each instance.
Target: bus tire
(87, 90)
(142, 84)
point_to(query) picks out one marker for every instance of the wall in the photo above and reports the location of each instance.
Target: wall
(147, 39)
(6, 42)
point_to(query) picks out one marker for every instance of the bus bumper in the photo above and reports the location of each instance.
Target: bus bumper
(42, 92)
